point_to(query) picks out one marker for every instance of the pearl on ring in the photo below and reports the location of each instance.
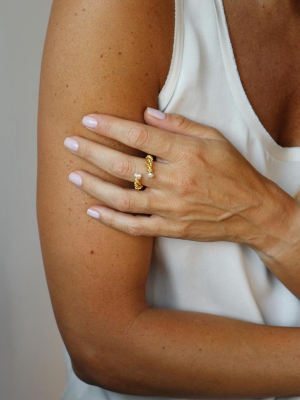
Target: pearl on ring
(149, 160)
(137, 175)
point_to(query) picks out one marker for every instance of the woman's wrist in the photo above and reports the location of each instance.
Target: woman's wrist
(278, 242)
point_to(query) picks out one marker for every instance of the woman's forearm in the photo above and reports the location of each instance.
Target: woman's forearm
(174, 353)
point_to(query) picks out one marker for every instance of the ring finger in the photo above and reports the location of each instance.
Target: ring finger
(117, 163)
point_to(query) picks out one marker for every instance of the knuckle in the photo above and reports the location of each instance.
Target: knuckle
(195, 155)
(88, 152)
(183, 122)
(181, 212)
(146, 203)
(181, 230)
(108, 126)
(91, 187)
(135, 230)
(184, 230)
(174, 146)
(184, 185)
(123, 203)
(110, 219)
(122, 167)
(212, 132)
(138, 136)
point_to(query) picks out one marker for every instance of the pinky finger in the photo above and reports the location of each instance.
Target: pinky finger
(135, 225)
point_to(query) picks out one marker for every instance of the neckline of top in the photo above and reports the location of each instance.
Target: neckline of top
(288, 154)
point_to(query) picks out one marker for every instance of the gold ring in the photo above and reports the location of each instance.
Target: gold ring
(137, 181)
(149, 160)
(137, 176)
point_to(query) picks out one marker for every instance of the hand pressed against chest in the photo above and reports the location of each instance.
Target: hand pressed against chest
(265, 36)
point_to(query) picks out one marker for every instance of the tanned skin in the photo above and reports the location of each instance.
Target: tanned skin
(113, 57)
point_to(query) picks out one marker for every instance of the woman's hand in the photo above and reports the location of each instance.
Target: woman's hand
(203, 189)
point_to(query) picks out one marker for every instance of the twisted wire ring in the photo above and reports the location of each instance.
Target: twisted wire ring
(137, 176)
(137, 181)
(149, 160)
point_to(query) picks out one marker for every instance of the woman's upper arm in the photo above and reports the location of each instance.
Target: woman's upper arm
(102, 57)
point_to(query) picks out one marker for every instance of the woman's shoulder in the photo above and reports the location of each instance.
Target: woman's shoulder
(138, 32)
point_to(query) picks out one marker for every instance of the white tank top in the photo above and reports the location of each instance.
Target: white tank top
(222, 278)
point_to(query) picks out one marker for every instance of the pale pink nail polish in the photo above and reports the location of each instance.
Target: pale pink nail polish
(156, 113)
(75, 178)
(89, 122)
(71, 144)
(93, 213)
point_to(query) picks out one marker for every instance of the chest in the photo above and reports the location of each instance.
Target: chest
(266, 44)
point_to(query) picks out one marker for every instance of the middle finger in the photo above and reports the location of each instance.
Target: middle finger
(118, 164)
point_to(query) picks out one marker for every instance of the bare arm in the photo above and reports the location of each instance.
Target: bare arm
(95, 61)
(184, 354)
(98, 57)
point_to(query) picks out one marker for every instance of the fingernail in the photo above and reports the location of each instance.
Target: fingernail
(93, 213)
(156, 113)
(75, 178)
(71, 144)
(89, 122)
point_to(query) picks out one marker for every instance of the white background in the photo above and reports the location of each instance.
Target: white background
(31, 356)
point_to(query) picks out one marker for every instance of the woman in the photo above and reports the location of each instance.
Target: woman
(184, 283)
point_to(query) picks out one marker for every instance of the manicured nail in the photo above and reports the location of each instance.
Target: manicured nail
(89, 122)
(156, 113)
(75, 178)
(71, 144)
(93, 213)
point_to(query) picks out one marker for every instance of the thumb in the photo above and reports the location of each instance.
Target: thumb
(177, 123)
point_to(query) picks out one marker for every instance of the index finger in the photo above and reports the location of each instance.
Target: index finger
(140, 136)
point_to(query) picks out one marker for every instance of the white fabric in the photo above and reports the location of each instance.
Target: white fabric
(221, 278)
